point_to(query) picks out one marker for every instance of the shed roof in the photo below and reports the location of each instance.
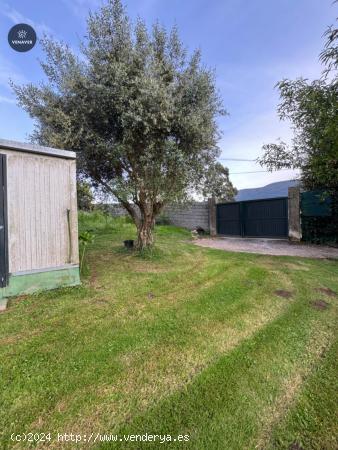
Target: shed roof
(37, 149)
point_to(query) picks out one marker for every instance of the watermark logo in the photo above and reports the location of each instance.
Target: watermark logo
(22, 37)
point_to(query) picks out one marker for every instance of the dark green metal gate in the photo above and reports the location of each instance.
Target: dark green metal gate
(3, 223)
(254, 218)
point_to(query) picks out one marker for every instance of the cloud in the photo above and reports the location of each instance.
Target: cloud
(10, 72)
(80, 8)
(251, 98)
(16, 17)
(9, 100)
(244, 136)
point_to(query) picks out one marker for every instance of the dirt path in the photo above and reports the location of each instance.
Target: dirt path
(269, 247)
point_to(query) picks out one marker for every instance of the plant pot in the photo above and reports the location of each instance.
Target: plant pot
(129, 243)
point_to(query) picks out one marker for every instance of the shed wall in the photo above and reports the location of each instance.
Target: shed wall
(40, 189)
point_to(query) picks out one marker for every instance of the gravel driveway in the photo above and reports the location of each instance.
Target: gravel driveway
(269, 247)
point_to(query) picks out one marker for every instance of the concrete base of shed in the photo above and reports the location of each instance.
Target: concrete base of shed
(3, 304)
(30, 282)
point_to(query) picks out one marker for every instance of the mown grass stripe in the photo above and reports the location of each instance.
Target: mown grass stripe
(179, 329)
(312, 421)
(170, 363)
(223, 406)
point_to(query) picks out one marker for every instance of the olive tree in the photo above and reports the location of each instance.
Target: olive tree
(138, 109)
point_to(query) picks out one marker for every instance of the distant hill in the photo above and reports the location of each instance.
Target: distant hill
(278, 189)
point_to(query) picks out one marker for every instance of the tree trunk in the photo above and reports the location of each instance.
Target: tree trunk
(143, 215)
(145, 237)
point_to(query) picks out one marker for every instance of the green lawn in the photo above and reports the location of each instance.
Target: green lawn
(186, 341)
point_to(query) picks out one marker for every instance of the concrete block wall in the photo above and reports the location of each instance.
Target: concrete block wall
(117, 210)
(190, 216)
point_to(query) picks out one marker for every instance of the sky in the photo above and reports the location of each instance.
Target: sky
(251, 44)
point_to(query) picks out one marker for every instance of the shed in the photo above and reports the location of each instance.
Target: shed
(38, 219)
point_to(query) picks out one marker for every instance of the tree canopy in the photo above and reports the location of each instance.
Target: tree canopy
(138, 110)
(216, 183)
(312, 109)
(85, 197)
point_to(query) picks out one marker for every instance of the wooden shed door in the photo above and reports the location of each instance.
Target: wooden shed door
(3, 223)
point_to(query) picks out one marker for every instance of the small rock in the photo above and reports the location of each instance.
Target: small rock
(194, 234)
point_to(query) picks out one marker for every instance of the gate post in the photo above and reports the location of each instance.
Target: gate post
(212, 216)
(295, 230)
